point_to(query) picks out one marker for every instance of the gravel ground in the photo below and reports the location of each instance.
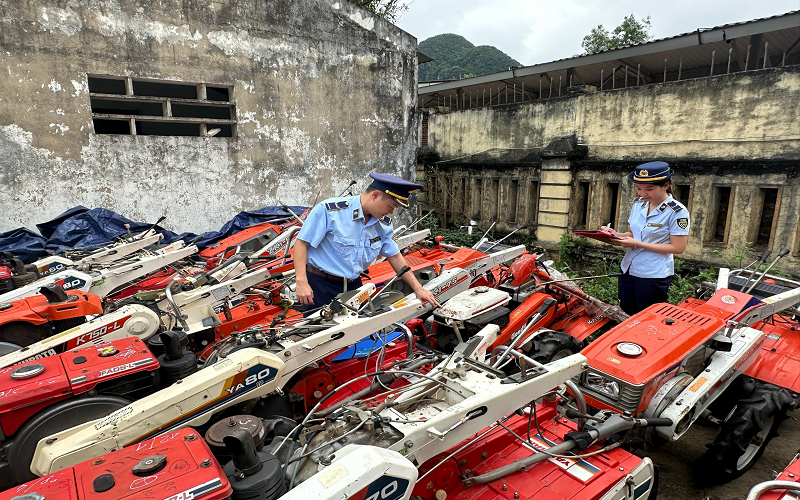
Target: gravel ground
(678, 461)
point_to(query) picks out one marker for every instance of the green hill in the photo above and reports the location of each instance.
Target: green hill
(455, 57)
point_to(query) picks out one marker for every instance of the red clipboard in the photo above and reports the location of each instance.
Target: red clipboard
(599, 236)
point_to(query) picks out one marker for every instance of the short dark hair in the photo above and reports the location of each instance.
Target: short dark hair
(372, 188)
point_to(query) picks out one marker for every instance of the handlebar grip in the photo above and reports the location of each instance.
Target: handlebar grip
(403, 270)
(658, 422)
(160, 220)
(546, 305)
(766, 254)
(783, 252)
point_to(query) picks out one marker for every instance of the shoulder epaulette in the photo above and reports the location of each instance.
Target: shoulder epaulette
(337, 205)
(637, 199)
(386, 220)
(675, 206)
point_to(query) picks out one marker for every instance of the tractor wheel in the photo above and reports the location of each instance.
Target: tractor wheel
(552, 346)
(8, 348)
(54, 419)
(22, 333)
(23, 279)
(744, 435)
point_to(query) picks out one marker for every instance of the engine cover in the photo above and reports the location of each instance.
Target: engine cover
(176, 465)
(29, 387)
(472, 302)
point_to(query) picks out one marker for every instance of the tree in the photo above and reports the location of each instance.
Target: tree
(631, 31)
(387, 9)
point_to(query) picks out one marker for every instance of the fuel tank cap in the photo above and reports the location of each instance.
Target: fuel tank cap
(27, 371)
(149, 465)
(629, 348)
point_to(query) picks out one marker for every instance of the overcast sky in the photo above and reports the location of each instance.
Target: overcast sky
(535, 32)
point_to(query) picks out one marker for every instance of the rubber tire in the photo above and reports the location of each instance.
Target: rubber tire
(760, 410)
(23, 279)
(53, 419)
(22, 333)
(8, 348)
(551, 346)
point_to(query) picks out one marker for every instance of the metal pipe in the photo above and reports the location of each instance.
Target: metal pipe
(680, 68)
(665, 71)
(761, 488)
(551, 88)
(518, 465)
(559, 86)
(713, 55)
(601, 78)
(730, 52)
(747, 58)
(781, 254)
(175, 307)
(638, 70)
(626, 76)
(766, 55)
(580, 401)
(613, 78)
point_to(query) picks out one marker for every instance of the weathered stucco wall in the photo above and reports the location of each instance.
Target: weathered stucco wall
(738, 131)
(324, 93)
(740, 116)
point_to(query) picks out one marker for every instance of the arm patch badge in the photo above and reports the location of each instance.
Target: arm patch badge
(683, 222)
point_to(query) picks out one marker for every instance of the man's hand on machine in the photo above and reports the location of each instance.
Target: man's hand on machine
(426, 296)
(305, 295)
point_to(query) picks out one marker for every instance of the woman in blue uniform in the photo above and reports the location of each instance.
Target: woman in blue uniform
(658, 229)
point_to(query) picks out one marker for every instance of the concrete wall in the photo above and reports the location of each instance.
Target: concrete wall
(740, 131)
(324, 93)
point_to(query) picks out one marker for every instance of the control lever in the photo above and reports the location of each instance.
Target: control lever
(543, 309)
(761, 260)
(781, 254)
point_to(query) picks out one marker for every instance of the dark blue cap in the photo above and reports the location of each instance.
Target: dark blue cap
(394, 186)
(653, 172)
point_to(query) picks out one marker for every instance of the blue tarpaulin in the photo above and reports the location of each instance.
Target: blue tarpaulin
(82, 228)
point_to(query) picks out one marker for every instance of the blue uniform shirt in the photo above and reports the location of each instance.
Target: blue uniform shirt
(656, 227)
(339, 241)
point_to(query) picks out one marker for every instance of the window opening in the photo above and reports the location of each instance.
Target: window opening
(495, 199)
(533, 201)
(478, 201)
(611, 204)
(149, 107)
(682, 194)
(582, 204)
(721, 214)
(464, 194)
(513, 194)
(432, 190)
(769, 203)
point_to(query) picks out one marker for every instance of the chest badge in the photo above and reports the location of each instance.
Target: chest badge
(375, 240)
(654, 224)
(683, 222)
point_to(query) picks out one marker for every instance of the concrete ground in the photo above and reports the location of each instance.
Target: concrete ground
(678, 461)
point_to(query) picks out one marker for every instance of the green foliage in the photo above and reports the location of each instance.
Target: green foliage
(685, 285)
(387, 9)
(455, 57)
(456, 237)
(631, 31)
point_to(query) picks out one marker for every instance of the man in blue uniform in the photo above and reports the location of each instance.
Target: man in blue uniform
(659, 229)
(342, 236)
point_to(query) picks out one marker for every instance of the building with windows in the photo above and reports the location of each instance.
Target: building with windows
(197, 109)
(550, 145)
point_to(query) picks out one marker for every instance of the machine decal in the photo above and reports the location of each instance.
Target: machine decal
(234, 387)
(125, 367)
(71, 282)
(96, 334)
(578, 468)
(54, 267)
(113, 417)
(197, 490)
(383, 488)
(45, 354)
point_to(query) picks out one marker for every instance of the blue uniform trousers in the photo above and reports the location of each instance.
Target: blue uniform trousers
(636, 294)
(325, 289)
